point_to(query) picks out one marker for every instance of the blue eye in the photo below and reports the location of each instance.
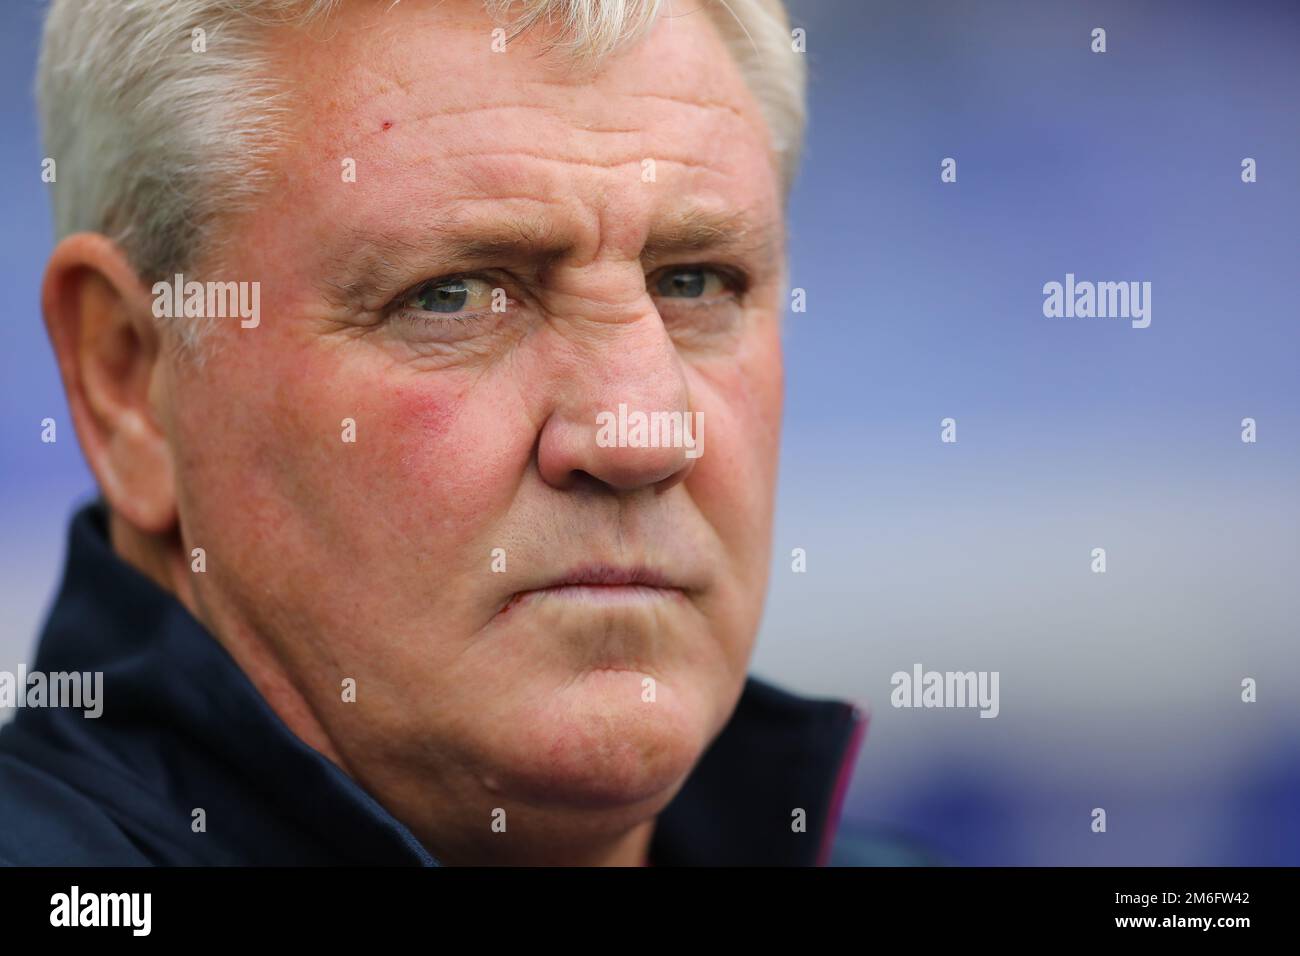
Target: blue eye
(450, 296)
(441, 296)
(686, 283)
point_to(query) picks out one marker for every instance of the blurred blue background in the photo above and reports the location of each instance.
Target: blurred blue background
(925, 300)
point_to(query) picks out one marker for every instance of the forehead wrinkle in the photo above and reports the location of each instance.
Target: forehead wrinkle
(690, 162)
(584, 110)
(570, 114)
(426, 116)
(698, 103)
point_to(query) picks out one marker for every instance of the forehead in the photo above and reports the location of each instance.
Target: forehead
(432, 117)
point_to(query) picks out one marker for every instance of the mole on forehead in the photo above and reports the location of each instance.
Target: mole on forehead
(710, 135)
(601, 118)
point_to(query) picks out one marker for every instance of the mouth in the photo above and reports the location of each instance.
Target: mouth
(602, 585)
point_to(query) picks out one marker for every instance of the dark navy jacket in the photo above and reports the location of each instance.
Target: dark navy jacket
(182, 727)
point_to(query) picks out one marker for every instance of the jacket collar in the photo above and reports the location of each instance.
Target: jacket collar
(179, 712)
(778, 754)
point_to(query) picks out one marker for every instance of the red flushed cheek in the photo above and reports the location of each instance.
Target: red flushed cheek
(429, 415)
(432, 447)
(457, 451)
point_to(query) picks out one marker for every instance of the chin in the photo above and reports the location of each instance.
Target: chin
(594, 743)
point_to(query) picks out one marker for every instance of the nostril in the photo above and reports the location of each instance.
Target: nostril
(580, 480)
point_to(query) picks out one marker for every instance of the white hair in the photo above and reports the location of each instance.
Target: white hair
(153, 143)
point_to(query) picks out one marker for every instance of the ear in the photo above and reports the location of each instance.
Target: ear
(100, 321)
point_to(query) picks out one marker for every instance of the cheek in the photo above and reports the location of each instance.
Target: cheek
(436, 462)
(742, 425)
(428, 413)
(418, 443)
(452, 445)
(433, 460)
(734, 482)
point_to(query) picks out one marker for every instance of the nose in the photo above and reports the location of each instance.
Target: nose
(623, 418)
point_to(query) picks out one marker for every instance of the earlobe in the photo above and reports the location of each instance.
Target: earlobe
(97, 313)
(140, 462)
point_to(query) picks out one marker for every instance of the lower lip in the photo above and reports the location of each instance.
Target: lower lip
(597, 595)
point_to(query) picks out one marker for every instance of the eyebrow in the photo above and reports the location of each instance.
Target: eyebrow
(379, 261)
(700, 230)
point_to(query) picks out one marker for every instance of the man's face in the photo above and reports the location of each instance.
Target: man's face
(476, 430)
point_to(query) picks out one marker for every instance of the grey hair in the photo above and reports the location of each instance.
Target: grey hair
(154, 143)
